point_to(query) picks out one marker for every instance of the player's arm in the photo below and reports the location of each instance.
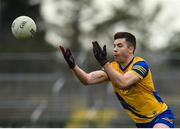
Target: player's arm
(139, 71)
(121, 81)
(94, 77)
(86, 78)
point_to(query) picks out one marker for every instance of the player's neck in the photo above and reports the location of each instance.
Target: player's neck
(130, 57)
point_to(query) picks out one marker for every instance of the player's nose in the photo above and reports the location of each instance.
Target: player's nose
(115, 49)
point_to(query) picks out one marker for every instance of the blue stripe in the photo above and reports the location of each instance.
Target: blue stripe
(129, 107)
(139, 72)
(157, 96)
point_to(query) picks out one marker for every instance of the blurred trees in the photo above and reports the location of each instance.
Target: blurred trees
(132, 16)
(79, 22)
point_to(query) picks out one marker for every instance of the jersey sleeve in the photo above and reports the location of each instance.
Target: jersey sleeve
(141, 69)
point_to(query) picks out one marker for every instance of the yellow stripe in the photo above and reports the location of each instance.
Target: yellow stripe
(143, 68)
(140, 68)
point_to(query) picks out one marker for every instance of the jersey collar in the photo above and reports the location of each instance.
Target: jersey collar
(124, 69)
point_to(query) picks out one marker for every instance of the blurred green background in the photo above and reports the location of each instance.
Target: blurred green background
(37, 89)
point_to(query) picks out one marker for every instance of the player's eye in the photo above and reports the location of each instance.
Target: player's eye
(119, 45)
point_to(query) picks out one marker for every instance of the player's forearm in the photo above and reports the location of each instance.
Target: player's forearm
(115, 76)
(81, 75)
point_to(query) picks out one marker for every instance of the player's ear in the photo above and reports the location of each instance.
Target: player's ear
(131, 49)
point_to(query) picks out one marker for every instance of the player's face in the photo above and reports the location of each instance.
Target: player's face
(122, 50)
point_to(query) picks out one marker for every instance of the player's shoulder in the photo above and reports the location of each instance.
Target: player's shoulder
(140, 66)
(140, 60)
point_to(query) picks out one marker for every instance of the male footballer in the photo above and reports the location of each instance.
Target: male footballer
(131, 79)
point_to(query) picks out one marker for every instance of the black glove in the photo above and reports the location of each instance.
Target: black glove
(68, 56)
(100, 55)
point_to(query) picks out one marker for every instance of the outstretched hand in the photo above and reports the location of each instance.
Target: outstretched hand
(68, 56)
(99, 53)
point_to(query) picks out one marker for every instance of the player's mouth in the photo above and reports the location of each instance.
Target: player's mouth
(115, 55)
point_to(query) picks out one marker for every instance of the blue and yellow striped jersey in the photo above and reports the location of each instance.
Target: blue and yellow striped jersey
(140, 100)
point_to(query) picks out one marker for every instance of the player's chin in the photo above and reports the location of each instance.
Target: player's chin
(117, 60)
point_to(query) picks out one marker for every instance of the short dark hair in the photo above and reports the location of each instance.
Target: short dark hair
(128, 36)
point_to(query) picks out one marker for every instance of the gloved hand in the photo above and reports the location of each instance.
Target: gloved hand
(68, 56)
(100, 55)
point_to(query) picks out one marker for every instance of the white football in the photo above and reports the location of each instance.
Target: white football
(23, 27)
